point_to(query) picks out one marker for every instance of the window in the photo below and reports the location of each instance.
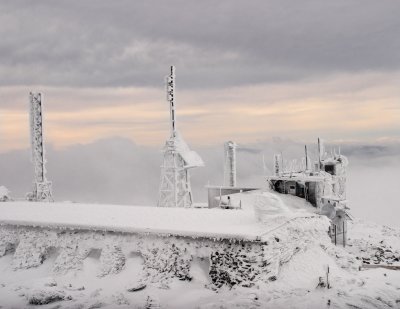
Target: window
(330, 169)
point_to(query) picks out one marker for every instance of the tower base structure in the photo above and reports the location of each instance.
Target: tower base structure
(42, 192)
(175, 190)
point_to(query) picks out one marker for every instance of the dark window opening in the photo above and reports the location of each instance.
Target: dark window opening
(330, 169)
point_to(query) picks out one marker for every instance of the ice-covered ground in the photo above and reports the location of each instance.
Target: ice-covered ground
(296, 286)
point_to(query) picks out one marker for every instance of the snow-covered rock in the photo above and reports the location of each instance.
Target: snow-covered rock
(46, 296)
(4, 194)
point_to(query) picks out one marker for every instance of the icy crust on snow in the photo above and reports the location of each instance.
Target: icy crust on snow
(241, 224)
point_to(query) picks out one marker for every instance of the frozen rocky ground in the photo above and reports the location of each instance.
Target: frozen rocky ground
(303, 259)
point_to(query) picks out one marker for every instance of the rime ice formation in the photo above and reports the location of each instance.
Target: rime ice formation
(233, 261)
(323, 184)
(247, 258)
(4, 194)
(42, 190)
(230, 164)
(175, 189)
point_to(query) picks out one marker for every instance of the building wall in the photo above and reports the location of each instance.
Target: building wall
(231, 262)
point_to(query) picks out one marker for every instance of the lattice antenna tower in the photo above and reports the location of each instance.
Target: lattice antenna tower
(175, 189)
(42, 188)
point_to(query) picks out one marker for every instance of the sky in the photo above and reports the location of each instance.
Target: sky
(245, 71)
(267, 74)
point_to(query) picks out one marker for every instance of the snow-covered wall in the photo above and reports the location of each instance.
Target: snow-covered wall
(163, 257)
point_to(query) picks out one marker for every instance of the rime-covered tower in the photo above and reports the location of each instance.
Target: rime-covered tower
(230, 164)
(42, 190)
(175, 190)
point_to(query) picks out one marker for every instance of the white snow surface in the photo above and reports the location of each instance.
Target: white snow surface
(296, 286)
(191, 158)
(213, 223)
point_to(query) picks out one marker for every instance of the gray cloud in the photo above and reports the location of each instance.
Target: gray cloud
(125, 43)
(116, 170)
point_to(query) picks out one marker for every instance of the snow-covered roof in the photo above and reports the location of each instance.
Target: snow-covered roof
(229, 187)
(297, 178)
(210, 223)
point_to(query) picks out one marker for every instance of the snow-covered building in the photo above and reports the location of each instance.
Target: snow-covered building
(323, 185)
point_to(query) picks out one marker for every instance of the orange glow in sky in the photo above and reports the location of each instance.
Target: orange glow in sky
(245, 114)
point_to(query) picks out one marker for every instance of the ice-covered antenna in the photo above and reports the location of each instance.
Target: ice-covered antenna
(277, 165)
(41, 187)
(319, 152)
(230, 164)
(170, 83)
(305, 150)
(175, 189)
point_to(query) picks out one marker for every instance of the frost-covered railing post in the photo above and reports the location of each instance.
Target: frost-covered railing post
(42, 190)
(230, 164)
(175, 190)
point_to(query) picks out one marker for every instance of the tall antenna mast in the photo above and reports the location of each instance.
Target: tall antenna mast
(42, 190)
(175, 189)
(171, 99)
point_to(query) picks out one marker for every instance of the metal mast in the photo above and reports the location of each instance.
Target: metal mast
(170, 85)
(42, 190)
(230, 164)
(278, 165)
(175, 189)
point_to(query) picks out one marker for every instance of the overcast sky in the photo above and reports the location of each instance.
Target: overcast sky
(246, 70)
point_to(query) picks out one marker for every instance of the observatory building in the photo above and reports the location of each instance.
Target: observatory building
(323, 185)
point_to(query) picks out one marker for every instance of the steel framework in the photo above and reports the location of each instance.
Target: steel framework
(175, 189)
(42, 188)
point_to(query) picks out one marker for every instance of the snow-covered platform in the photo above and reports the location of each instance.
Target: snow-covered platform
(239, 224)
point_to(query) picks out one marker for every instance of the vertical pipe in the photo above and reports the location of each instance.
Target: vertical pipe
(319, 152)
(335, 234)
(305, 149)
